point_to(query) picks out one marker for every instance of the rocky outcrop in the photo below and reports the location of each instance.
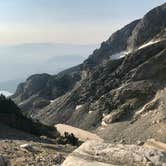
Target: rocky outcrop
(115, 44)
(96, 153)
(149, 26)
(37, 91)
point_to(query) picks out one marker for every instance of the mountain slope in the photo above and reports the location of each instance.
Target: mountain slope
(12, 116)
(116, 43)
(117, 85)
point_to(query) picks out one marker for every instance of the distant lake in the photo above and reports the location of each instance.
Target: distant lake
(5, 93)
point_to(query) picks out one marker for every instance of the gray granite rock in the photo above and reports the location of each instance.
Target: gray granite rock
(96, 153)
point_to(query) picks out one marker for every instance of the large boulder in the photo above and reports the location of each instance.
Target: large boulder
(97, 153)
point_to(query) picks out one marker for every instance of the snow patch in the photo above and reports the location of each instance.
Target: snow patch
(148, 43)
(126, 52)
(78, 107)
(119, 55)
(51, 101)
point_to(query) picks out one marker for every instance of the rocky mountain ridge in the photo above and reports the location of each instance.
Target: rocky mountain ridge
(111, 93)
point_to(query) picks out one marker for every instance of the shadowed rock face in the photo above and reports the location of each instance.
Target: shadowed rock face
(11, 115)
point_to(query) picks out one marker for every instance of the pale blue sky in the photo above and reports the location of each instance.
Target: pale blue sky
(67, 21)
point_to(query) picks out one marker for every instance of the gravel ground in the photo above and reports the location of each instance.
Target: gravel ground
(40, 152)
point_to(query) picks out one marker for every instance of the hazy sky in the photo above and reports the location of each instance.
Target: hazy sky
(67, 21)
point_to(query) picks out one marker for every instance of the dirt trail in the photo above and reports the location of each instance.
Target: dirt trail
(79, 133)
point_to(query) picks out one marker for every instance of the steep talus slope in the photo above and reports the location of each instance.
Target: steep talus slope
(115, 84)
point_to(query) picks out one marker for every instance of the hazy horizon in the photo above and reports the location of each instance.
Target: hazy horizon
(21, 60)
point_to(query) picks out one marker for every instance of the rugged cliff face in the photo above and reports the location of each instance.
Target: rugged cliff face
(119, 89)
(148, 27)
(127, 82)
(38, 90)
(115, 44)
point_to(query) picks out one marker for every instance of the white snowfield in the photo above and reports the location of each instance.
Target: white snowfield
(148, 43)
(78, 107)
(54, 100)
(118, 55)
(79, 133)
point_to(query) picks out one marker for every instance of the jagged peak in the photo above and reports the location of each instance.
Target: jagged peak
(148, 27)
